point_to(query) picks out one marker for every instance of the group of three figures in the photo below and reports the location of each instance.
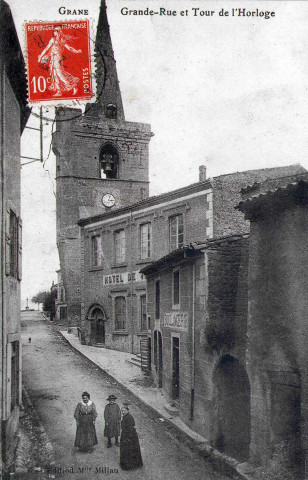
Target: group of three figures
(85, 415)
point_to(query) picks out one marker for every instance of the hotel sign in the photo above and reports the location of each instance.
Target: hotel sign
(123, 278)
(176, 320)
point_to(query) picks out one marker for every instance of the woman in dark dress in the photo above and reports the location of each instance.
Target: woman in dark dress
(85, 415)
(130, 455)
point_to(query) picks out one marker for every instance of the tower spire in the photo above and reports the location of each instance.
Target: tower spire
(109, 101)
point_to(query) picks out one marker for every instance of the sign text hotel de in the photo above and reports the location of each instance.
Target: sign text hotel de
(173, 319)
(123, 278)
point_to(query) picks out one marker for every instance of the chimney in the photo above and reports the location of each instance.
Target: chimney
(202, 173)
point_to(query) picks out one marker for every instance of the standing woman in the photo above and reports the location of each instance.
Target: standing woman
(85, 415)
(130, 455)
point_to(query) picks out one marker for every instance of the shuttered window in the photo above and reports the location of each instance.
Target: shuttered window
(13, 254)
(145, 240)
(120, 313)
(176, 232)
(119, 246)
(96, 247)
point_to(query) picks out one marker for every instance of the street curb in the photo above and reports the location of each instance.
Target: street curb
(204, 449)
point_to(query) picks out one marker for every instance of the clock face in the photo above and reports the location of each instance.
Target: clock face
(108, 200)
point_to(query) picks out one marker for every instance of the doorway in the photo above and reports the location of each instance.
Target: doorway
(158, 357)
(160, 361)
(100, 334)
(98, 329)
(175, 368)
(149, 354)
(232, 408)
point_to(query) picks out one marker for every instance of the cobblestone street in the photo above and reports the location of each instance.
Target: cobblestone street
(55, 375)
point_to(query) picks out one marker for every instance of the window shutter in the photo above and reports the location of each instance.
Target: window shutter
(19, 261)
(7, 242)
(123, 246)
(99, 251)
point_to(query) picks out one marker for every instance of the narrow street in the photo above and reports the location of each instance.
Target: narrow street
(55, 376)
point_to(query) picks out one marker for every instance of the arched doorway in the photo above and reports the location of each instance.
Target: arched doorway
(97, 318)
(232, 408)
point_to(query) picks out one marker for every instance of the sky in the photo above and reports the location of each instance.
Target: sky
(227, 92)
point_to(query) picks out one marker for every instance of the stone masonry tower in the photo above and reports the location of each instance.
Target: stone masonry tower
(102, 163)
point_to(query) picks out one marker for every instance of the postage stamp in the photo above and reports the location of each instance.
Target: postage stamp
(59, 62)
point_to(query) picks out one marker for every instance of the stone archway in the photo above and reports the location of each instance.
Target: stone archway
(231, 429)
(97, 317)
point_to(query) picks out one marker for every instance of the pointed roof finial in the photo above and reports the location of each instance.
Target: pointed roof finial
(108, 96)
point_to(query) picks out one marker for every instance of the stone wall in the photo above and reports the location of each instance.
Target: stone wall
(277, 346)
(227, 194)
(227, 295)
(220, 346)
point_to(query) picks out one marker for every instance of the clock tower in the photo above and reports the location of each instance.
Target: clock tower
(102, 163)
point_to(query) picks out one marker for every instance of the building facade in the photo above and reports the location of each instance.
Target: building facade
(277, 358)
(117, 244)
(102, 166)
(13, 117)
(197, 297)
(198, 304)
(102, 163)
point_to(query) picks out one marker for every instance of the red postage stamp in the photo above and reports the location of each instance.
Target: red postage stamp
(59, 61)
